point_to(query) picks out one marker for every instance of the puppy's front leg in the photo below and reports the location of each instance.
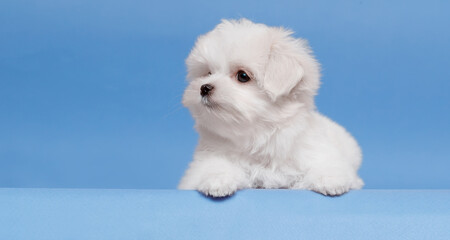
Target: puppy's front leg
(332, 181)
(214, 175)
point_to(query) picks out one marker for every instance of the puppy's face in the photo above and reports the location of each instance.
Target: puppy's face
(243, 74)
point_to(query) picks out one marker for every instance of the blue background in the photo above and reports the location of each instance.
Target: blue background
(90, 90)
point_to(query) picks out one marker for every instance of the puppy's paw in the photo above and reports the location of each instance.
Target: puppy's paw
(218, 186)
(332, 184)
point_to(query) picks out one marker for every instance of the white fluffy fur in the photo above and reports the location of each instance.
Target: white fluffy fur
(265, 133)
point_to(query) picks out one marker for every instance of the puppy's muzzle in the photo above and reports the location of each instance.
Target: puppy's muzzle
(206, 89)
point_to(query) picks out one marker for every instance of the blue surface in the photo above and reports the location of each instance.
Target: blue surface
(90, 89)
(252, 214)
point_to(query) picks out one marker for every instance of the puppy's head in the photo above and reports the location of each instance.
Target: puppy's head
(243, 74)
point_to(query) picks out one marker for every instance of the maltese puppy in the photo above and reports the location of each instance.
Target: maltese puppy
(251, 92)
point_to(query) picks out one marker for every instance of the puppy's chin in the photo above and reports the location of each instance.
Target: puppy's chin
(208, 102)
(216, 117)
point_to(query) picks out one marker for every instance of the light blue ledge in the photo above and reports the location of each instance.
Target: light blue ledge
(250, 214)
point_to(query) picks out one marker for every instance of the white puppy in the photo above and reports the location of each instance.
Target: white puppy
(251, 92)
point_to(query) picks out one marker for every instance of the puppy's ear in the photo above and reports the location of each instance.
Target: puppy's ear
(283, 70)
(289, 62)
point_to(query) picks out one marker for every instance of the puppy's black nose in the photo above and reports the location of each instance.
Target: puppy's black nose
(205, 89)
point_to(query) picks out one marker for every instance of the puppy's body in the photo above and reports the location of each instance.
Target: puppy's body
(262, 131)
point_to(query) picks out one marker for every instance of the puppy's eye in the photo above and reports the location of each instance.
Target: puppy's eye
(242, 76)
(209, 73)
